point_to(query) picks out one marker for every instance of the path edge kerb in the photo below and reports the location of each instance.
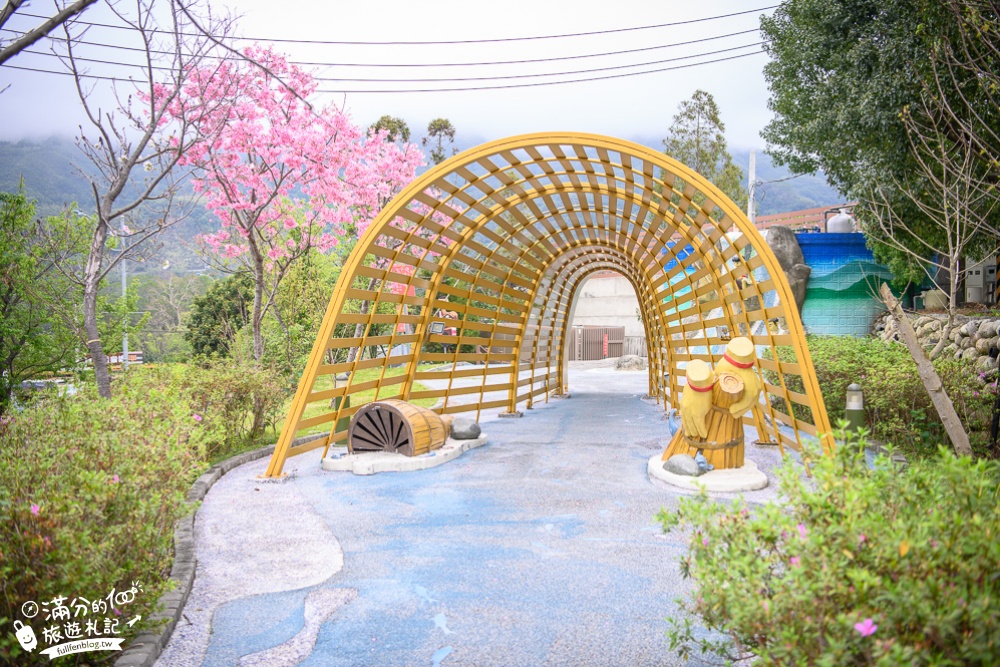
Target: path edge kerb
(146, 647)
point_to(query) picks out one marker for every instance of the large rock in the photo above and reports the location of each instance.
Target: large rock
(630, 362)
(682, 464)
(464, 428)
(786, 249)
(983, 345)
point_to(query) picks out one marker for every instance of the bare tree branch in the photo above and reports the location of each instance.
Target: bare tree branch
(32, 36)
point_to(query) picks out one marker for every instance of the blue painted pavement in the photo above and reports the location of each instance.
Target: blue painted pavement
(538, 549)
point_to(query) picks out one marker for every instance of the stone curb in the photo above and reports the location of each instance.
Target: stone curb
(370, 463)
(146, 647)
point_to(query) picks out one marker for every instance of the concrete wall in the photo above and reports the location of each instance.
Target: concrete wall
(608, 300)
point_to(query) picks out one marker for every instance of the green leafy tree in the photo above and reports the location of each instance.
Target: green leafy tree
(34, 336)
(859, 89)
(697, 138)
(121, 316)
(298, 310)
(396, 128)
(219, 314)
(169, 298)
(439, 132)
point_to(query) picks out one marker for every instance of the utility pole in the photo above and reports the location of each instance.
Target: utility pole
(125, 315)
(752, 188)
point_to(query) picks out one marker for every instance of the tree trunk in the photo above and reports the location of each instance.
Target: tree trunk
(91, 280)
(932, 381)
(359, 329)
(258, 302)
(952, 307)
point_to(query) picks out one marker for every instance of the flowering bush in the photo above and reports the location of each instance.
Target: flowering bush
(235, 403)
(90, 489)
(860, 566)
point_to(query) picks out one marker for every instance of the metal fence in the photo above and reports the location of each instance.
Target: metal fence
(595, 342)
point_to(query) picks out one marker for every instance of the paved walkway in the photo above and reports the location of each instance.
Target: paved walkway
(537, 549)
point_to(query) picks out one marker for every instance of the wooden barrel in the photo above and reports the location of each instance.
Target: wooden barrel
(396, 426)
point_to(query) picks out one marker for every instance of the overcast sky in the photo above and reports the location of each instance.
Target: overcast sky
(632, 107)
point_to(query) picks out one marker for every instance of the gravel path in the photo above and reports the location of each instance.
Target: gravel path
(538, 549)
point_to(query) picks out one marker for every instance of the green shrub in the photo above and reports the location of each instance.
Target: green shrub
(860, 566)
(899, 410)
(90, 490)
(237, 402)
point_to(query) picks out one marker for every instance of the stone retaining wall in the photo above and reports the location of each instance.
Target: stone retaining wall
(970, 338)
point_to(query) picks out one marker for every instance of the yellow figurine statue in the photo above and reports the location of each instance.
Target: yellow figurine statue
(696, 400)
(739, 361)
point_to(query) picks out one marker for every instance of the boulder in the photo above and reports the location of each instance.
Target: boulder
(786, 249)
(987, 329)
(986, 363)
(969, 354)
(983, 345)
(464, 428)
(969, 329)
(682, 464)
(630, 362)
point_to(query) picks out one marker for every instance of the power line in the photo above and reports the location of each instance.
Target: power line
(448, 64)
(447, 79)
(437, 90)
(545, 83)
(447, 42)
(531, 76)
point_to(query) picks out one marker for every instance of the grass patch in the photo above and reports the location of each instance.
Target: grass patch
(327, 382)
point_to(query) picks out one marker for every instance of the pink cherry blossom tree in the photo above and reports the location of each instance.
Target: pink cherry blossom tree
(282, 176)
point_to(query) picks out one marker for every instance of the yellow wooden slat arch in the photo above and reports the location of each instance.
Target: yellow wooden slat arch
(504, 235)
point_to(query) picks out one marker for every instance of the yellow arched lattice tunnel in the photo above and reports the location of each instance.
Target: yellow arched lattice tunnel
(479, 261)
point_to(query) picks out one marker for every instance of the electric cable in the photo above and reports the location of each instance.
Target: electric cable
(443, 42)
(436, 90)
(306, 63)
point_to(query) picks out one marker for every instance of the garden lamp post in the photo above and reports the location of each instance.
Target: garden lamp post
(854, 411)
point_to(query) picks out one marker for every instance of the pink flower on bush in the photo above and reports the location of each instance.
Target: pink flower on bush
(866, 627)
(861, 538)
(794, 560)
(197, 418)
(802, 531)
(35, 509)
(704, 541)
(114, 480)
